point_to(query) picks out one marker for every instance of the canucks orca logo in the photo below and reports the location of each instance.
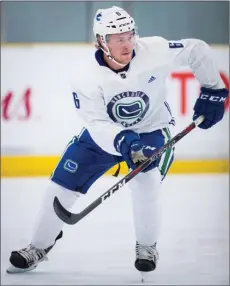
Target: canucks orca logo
(128, 108)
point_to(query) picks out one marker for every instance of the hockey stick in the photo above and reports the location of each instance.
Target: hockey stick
(71, 218)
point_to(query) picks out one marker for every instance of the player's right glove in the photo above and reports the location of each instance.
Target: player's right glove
(134, 152)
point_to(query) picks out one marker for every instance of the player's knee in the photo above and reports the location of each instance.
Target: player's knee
(65, 195)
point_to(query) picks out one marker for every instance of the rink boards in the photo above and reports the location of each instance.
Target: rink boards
(39, 117)
(30, 166)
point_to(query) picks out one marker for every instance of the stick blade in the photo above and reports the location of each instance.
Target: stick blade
(64, 214)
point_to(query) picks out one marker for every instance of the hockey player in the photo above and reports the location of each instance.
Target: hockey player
(122, 98)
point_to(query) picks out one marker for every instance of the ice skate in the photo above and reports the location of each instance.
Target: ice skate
(146, 259)
(28, 258)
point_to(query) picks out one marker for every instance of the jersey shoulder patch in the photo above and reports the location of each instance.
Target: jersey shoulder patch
(175, 45)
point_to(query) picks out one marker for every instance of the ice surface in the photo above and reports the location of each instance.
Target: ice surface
(193, 247)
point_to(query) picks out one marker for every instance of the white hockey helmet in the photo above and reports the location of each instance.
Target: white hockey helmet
(113, 20)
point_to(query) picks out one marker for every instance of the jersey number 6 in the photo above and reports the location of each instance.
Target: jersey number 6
(76, 100)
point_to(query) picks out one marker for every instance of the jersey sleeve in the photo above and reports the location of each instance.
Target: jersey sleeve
(92, 109)
(197, 55)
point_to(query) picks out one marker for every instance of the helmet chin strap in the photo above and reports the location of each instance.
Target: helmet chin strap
(108, 54)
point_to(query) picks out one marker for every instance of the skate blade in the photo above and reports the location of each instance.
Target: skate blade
(15, 270)
(144, 276)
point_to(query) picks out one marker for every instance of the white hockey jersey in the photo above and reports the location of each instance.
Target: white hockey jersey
(110, 102)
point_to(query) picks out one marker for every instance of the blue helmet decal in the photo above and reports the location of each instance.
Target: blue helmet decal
(98, 17)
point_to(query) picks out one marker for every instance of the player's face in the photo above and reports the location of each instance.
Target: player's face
(121, 46)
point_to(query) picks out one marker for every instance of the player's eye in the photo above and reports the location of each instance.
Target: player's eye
(120, 40)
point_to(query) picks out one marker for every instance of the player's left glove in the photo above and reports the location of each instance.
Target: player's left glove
(134, 152)
(210, 104)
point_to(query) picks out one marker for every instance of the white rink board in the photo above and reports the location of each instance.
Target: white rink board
(38, 112)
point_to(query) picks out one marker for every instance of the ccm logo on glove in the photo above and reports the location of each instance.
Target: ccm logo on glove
(213, 98)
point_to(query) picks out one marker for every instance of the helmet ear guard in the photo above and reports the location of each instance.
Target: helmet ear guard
(98, 43)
